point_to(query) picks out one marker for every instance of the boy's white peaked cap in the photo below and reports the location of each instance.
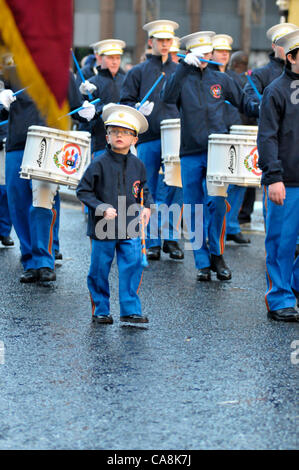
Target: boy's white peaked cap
(289, 41)
(222, 42)
(161, 29)
(109, 47)
(198, 43)
(279, 30)
(121, 115)
(175, 47)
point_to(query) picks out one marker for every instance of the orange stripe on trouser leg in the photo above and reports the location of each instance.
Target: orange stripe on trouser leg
(268, 276)
(93, 307)
(140, 282)
(223, 229)
(180, 218)
(50, 245)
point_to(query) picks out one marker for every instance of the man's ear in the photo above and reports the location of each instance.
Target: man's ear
(150, 42)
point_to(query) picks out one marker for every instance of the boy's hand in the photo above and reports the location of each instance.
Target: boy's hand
(277, 193)
(145, 215)
(110, 213)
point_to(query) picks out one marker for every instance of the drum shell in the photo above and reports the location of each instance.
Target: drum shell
(56, 156)
(233, 159)
(170, 149)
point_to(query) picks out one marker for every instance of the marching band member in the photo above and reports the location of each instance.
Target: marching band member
(116, 172)
(199, 93)
(137, 83)
(5, 221)
(221, 53)
(34, 210)
(105, 84)
(278, 143)
(263, 76)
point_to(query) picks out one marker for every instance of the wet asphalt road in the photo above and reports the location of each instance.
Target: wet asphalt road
(209, 372)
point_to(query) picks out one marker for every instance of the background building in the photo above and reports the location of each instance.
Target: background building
(245, 20)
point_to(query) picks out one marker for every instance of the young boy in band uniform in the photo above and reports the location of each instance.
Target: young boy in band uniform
(110, 188)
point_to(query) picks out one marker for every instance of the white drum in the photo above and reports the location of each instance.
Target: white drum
(233, 159)
(170, 145)
(244, 130)
(56, 156)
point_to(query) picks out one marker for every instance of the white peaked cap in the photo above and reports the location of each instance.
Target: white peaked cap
(161, 29)
(175, 45)
(222, 42)
(108, 47)
(289, 41)
(121, 115)
(279, 30)
(199, 43)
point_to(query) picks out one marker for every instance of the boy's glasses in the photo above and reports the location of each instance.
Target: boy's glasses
(121, 132)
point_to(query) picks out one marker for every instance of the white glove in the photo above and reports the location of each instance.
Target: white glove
(192, 59)
(88, 112)
(87, 87)
(146, 108)
(6, 98)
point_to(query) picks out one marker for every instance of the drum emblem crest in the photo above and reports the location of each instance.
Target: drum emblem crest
(135, 188)
(68, 159)
(215, 91)
(251, 162)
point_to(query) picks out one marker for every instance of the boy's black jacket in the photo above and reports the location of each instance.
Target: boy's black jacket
(109, 176)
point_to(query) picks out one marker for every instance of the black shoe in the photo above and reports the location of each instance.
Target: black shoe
(297, 296)
(244, 220)
(238, 238)
(297, 251)
(284, 314)
(46, 275)
(204, 274)
(29, 276)
(153, 253)
(218, 266)
(7, 241)
(134, 319)
(103, 319)
(58, 255)
(172, 247)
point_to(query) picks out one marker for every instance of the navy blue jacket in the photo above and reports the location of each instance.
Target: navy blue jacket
(23, 113)
(138, 82)
(199, 96)
(108, 90)
(109, 176)
(263, 76)
(278, 134)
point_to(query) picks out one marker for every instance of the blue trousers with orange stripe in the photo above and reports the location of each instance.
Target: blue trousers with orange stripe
(235, 196)
(34, 226)
(282, 229)
(193, 171)
(129, 272)
(5, 221)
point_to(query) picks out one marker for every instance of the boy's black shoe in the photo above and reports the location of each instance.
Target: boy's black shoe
(172, 247)
(58, 255)
(204, 274)
(153, 253)
(238, 238)
(284, 314)
(6, 241)
(29, 276)
(218, 266)
(46, 275)
(134, 319)
(103, 319)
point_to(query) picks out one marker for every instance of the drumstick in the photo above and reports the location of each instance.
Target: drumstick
(16, 93)
(151, 90)
(144, 262)
(202, 60)
(3, 122)
(253, 86)
(79, 109)
(80, 72)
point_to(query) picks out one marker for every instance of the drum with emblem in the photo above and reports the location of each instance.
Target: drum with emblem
(233, 158)
(56, 156)
(170, 147)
